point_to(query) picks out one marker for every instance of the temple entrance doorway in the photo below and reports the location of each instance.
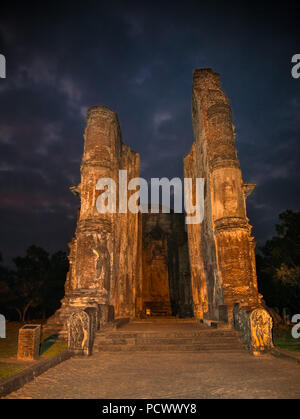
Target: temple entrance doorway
(166, 284)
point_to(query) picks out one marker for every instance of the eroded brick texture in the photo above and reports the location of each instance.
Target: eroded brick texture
(121, 262)
(124, 263)
(221, 248)
(103, 253)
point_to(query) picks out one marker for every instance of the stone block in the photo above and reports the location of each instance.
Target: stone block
(254, 327)
(79, 333)
(29, 342)
(107, 314)
(92, 313)
(2, 327)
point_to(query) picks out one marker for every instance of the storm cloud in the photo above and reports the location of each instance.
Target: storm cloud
(137, 58)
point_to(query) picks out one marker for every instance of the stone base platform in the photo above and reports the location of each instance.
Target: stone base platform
(168, 335)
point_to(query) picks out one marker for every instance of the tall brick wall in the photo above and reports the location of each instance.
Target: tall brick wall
(103, 253)
(221, 248)
(124, 260)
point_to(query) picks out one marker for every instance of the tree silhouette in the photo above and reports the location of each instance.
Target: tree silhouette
(36, 282)
(279, 265)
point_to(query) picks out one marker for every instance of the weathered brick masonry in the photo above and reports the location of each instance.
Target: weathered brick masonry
(221, 247)
(124, 263)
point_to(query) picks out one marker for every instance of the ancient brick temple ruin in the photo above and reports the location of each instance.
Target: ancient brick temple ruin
(221, 247)
(125, 263)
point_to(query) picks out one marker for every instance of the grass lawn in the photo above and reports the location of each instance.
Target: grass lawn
(9, 365)
(9, 345)
(283, 339)
(8, 369)
(52, 346)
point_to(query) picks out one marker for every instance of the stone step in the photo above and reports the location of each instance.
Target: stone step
(159, 308)
(160, 313)
(211, 323)
(207, 334)
(168, 336)
(163, 341)
(237, 347)
(163, 338)
(167, 320)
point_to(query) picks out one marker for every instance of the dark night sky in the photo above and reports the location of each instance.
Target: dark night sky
(137, 58)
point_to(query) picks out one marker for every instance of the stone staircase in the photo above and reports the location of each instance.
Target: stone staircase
(169, 335)
(159, 308)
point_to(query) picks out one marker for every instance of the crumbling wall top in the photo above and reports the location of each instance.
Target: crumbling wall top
(206, 78)
(101, 111)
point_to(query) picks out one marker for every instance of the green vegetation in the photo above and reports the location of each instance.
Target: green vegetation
(9, 369)
(9, 365)
(52, 346)
(278, 267)
(35, 286)
(283, 339)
